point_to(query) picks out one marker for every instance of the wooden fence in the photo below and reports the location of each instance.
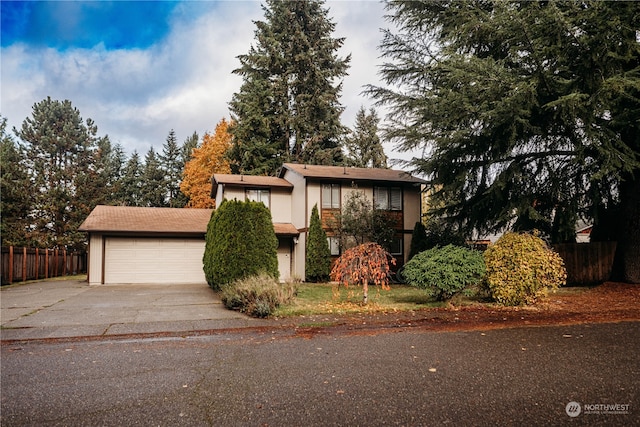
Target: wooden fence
(22, 264)
(587, 263)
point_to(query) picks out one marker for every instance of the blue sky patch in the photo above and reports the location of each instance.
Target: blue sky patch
(85, 24)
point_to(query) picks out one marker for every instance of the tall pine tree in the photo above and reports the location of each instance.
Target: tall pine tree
(287, 108)
(60, 149)
(130, 185)
(172, 164)
(363, 145)
(16, 194)
(153, 182)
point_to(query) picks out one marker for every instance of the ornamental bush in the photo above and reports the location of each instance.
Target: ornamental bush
(365, 264)
(318, 256)
(240, 242)
(445, 272)
(521, 268)
(257, 296)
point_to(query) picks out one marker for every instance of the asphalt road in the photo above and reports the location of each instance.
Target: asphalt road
(523, 376)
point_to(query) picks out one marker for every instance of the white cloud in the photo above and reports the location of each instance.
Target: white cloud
(183, 82)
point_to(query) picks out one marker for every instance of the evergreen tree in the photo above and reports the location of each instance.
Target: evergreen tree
(16, 194)
(363, 146)
(240, 242)
(171, 162)
(287, 108)
(318, 256)
(153, 182)
(130, 188)
(186, 151)
(60, 155)
(526, 110)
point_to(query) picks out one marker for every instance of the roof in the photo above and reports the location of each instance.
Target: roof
(138, 220)
(348, 173)
(250, 180)
(285, 229)
(147, 220)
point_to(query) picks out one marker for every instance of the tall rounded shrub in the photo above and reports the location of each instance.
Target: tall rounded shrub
(240, 242)
(318, 256)
(521, 268)
(445, 272)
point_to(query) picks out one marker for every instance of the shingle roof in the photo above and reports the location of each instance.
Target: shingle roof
(348, 173)
(250, 181)
(137, 220)
(146, 220)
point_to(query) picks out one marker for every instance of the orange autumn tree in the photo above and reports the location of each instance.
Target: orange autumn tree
(364, 264)
(206, 160)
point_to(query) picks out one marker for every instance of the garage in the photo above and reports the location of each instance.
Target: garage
(146, 245)
(153, 260)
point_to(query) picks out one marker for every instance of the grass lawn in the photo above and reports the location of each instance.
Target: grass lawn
(325, 298)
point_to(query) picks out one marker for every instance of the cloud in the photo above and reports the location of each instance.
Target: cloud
(183, 81)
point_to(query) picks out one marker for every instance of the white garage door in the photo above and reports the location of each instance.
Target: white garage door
(153, 260)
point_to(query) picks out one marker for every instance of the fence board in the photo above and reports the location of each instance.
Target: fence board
(22, 264)
(587, 263)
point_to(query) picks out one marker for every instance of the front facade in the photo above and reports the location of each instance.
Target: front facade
(292, 195)
(166, 245)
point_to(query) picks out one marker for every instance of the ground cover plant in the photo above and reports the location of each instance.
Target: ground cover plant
(257, 296)
(443, 272)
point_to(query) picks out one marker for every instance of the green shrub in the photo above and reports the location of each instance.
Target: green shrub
(240, 242)
(444, 272)
(318, 257)
(257, 296)
(521, 268)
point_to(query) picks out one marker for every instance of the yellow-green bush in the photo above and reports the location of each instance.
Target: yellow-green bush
(521, 268)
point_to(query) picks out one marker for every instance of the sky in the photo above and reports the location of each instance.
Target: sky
(141, 68)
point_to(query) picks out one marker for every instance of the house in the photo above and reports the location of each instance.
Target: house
(292, 195)
(165, 245)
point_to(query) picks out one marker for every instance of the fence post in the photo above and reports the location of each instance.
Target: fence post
(64, 261)
(10, 264)
(24, 264)
(46, 263)
(37, 264)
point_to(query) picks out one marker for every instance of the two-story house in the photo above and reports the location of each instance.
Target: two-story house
(166, 245)
(292, 195)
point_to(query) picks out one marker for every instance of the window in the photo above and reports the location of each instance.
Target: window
(387, 198)
(334, 245)
(331, 196)
(396, 246)
(258, 196)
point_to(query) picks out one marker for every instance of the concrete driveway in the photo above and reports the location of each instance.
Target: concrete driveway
(58, 308)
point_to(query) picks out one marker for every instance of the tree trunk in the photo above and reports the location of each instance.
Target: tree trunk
(365, 294)
(626, 265)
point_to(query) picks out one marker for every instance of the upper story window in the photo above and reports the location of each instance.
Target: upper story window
(258, 196)
(387, 198)
(331, 196)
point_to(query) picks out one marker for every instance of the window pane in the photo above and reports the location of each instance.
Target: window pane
(335, 196)
(396, 246)
(326, 196)
(381, 198)
(263, 196)
(396, 199)
(334, 245)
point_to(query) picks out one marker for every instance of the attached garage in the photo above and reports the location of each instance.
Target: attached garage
(159, 245)
(146, 245)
